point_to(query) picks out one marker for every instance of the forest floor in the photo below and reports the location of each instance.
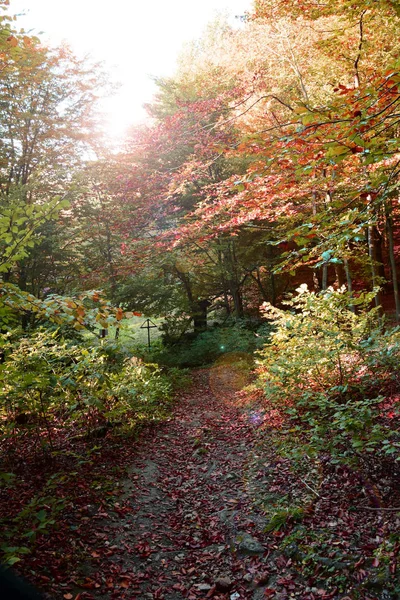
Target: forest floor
(180, 514)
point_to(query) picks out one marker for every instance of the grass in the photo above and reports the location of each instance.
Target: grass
(132, 332)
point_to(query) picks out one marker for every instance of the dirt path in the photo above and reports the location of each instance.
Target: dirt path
(191, 530)
(173, 515)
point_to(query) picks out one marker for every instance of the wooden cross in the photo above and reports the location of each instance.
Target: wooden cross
(148, 325)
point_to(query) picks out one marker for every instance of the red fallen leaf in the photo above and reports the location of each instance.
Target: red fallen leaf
(278, 534)
(269, 592)
(375, 562)
(281, 562)
(95, 554)
(361, 575)
(89, 585)
(125, 583)
(211, 591)
(359, 562)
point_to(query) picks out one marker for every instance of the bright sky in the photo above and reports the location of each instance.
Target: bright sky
(135, 38)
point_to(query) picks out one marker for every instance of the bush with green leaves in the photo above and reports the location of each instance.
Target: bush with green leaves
(45, 377)
(208, 346)
(326, 369)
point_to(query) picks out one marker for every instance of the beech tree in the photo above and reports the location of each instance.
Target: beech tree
(47, 116)
(319, 168)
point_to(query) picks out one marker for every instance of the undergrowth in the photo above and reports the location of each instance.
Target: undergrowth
(328, 461)
(59, 397)
(239, 336)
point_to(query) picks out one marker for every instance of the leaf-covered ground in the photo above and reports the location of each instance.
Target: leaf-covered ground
(185, 512)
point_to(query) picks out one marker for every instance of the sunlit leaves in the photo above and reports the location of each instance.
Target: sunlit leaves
(87, 311)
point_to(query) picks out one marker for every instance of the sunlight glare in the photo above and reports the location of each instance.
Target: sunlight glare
(134, 40)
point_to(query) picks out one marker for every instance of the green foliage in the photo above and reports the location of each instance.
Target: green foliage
(44, 378)
(88, 311)
(325, 369)
(281, 517)
(208, 346)
(18, 224)
(37, 517)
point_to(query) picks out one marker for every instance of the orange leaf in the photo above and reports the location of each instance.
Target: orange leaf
(12, 41)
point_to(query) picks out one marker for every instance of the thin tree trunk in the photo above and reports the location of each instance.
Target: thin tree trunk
(273, 288)
(257, 279)
(272, 276)
(339, 276)
(389, 230)
(237, 301)
(349, 282)
(380, 268)
(223, 281)
(315, 279)
(199, 311)
(233, 282)
(372, 256)
(324, 277)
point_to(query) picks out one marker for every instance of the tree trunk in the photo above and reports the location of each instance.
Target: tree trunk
(380, 269)
(393, 266)
(263, 292)
(233, 282)
(270, 255)
(324, 277)
(349, 282)
(340, 279)
(237, 301)
(223, 282)
(199, 312)
(373, 261)
(317, 287)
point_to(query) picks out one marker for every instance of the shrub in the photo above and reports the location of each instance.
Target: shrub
(44, 378)
(208, 346)
(326, 369)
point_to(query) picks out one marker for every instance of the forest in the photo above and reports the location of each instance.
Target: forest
(199, 328)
